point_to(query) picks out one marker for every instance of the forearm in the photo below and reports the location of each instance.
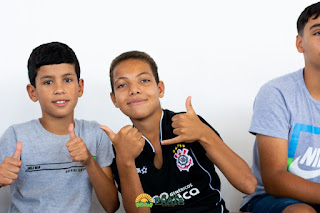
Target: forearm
(105, 189)
(286, 184)
(234, 168)
(131, 186)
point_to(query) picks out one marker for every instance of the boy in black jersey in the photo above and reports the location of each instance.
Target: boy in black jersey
(166, 154)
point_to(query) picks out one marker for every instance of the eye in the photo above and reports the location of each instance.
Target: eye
(47, 82)
(68, 80)
(121, 85)
(317, 33)
(145, 80)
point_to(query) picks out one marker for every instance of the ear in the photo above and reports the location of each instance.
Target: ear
(80, 87)
(161, 89)
(32, 92)
(114, 99)
(299, 44)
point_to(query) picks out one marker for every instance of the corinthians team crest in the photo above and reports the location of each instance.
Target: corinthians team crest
(184, 161)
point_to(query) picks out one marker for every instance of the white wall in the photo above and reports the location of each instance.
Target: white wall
(219, 52)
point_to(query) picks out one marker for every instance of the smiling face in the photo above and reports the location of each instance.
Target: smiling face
(136, 92)
(309, 43)
(57, 90)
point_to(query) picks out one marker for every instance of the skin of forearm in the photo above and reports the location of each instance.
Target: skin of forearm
(235, 169)
(285, 184)
(131, 186)
(105, 189)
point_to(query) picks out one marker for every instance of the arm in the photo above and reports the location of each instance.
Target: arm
(190, 128)
(234, 168)
(101, 179)
(131, 186)
(128, 138)
(103, 184)
(273, 156)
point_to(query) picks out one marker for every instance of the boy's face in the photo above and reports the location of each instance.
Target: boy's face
(136, 92)
(309, 43)
(57, 90)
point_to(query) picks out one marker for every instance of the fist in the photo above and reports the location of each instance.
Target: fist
(128, 142)
(77, 148)
(10, 167)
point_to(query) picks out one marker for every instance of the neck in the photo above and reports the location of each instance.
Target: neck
(150, 126)
(312, 81)
(58, 126)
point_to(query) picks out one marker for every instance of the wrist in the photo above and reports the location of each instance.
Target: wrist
(125, 162)
(208, 137)
(90, 161)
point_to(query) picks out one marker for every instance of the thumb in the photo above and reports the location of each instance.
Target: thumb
(71, 131)
(18, 151)
(109, 132)
(189, 105)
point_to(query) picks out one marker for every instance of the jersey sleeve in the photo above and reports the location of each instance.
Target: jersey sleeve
(270, 114)
(105, 153)
(8, 142)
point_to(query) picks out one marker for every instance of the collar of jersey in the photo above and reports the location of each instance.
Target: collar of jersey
(160, 133)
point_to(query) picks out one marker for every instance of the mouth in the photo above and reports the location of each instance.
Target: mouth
(60, 102)
(136, 102)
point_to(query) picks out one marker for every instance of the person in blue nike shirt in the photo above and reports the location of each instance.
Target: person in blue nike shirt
(286, 122)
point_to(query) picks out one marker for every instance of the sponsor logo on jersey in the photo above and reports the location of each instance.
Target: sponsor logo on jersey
(144, 200)
(142, 170)
(169, 202)
(177, 197)
(183, 160)
(308, 165)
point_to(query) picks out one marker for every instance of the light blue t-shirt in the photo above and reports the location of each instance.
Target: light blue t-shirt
(285, 109)
(49, 181)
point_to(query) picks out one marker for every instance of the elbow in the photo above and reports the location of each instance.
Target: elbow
(272, 185)
(112, 208)
(250, 185)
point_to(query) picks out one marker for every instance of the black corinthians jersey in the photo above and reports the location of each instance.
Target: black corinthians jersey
(187, 175)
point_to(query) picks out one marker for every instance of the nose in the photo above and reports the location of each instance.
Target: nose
(134, 89)
(59, 89)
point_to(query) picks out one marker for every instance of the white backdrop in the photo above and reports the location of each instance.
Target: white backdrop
(219, 52)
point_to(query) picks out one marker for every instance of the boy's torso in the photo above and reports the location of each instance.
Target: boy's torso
(303, 130)
(49, 180)
(186, 173)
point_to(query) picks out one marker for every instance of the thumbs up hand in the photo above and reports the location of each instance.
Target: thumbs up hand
(187, 126)
(77, 148)
(128, 142)
(10, 167)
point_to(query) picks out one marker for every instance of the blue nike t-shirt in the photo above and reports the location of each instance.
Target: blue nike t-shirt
(285, 109)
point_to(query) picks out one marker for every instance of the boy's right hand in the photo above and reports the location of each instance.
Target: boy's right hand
(128, 142)
(10, 167)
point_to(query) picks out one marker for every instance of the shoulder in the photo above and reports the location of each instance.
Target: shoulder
(26, 126)
(86, 125)
(285, 83)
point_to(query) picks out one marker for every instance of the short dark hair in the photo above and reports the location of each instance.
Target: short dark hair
(308, 12)
(49, 54)
(138, 55)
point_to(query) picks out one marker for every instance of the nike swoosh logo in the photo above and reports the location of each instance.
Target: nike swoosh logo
(294, 168)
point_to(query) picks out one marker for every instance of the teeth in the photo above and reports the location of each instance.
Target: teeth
(60, 102)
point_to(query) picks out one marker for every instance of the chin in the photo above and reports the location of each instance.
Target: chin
(137, 115)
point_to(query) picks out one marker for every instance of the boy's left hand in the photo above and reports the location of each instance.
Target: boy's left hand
(187, 126)
(77, 148)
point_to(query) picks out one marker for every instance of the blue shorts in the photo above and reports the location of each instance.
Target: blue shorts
(269, 204)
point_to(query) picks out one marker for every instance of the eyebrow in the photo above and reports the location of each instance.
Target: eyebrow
(314, 26)
(50, 76)
(142, 73)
